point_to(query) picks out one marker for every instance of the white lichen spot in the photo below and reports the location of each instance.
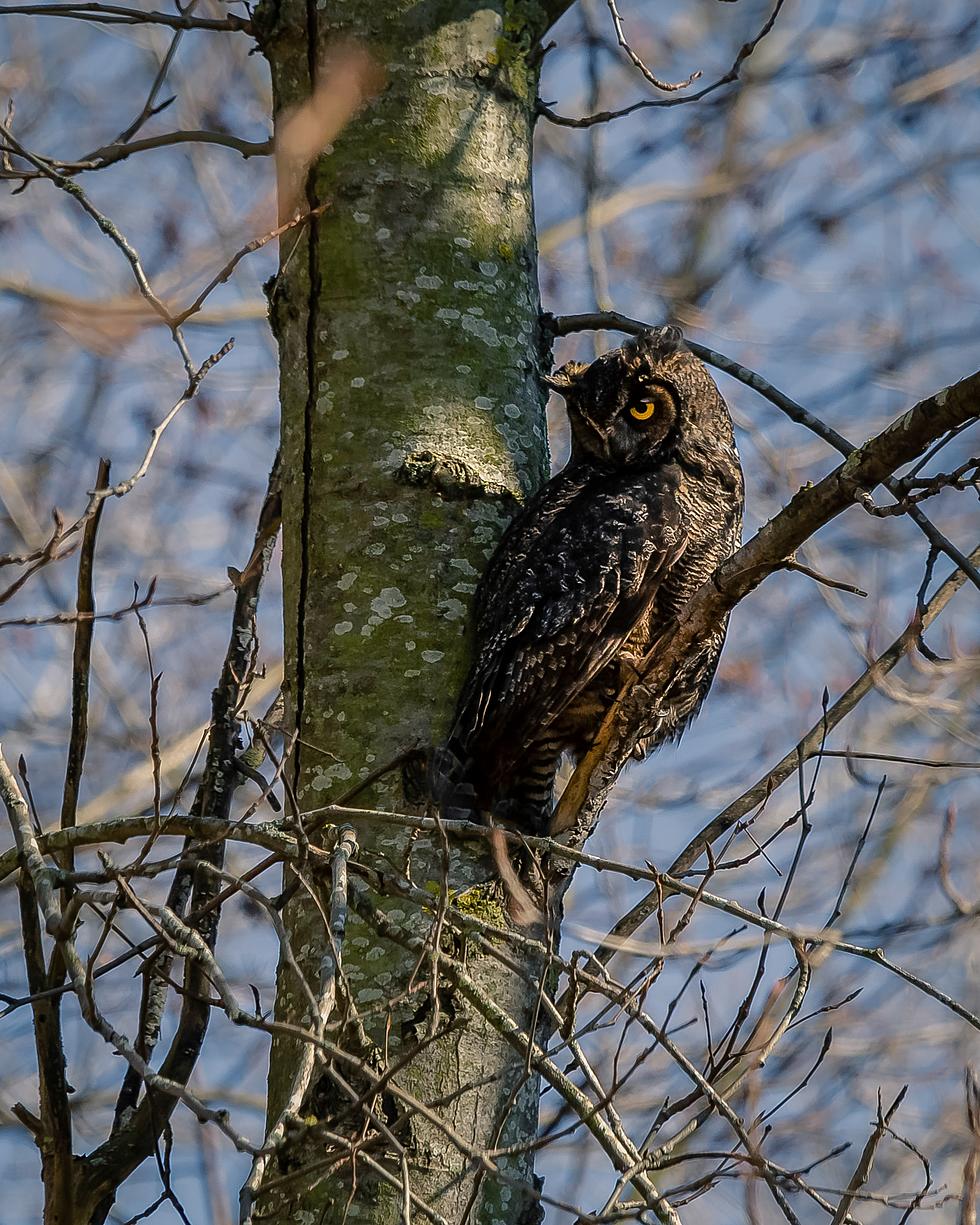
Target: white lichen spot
(374, 550)
(337, 772)
(463, 369)
(452, 610)
(481, 330)
(433, 657)
(398, 517)
(340, 354)
(411, 672)
(405, 618)
(475, 310)
(368, 995)
(408, 295)
(358, 382)
(390, 598)
(346, 581)
(512, 411)
(343, 627)
(410, 645)
(367, 630)
(445, 313)
(382, 233)
(465, 588)
(428, 282)
(463, 242)
(460, 563)
(483, 402)
(380, 521)
(361, 218)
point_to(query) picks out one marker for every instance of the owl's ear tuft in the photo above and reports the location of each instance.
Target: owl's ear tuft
(647, 350)
(565, 377)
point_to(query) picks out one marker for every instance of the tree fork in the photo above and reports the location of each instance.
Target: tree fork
(407, 317)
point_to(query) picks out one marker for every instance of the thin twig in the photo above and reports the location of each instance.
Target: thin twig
(731, 75)
(81, 662)
(321, 1009)
(863, 1170)
(114, 14)
(111, 230)
(562, 325)
(656, 82)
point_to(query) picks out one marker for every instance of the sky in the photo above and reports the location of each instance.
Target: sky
(815, 222)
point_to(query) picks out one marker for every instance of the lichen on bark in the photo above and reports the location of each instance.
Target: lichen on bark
(407, 317)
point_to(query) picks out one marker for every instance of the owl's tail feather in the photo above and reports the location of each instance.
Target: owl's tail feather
(449, 783)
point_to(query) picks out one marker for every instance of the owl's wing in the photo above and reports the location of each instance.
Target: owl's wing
(569, 601)
(510, 556)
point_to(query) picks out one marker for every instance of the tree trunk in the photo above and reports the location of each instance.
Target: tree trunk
(407, 316)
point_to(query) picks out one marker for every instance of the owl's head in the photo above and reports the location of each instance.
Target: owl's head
(636, 404)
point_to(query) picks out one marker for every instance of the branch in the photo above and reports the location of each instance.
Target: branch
(81, 660)
(731, 75)
(109, 228)
(118, 151)
(322, 1007)
(48, 552)
(809, 510)
(863, 1170)
(621, 1152)
(113, 309)
(562, 325)
(104, 1169)
(656, 82)
(114, 14)
(54, 1136)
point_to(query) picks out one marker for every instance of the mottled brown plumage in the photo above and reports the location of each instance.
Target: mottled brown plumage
(586, 577)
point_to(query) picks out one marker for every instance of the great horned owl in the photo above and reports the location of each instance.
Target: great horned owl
(597, 563)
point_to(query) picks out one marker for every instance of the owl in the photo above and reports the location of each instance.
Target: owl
(599, 561)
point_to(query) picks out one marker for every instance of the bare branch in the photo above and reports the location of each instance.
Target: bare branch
(863, 1170)
(666, 86)
(562, 325)
(115, 14)
(808, 511)
(607, 116)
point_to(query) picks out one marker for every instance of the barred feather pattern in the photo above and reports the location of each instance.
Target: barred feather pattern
(588, 576)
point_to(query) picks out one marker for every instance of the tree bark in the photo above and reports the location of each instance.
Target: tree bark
(407, 316)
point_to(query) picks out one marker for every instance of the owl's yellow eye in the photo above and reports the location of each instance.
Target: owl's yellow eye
(644, 411)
